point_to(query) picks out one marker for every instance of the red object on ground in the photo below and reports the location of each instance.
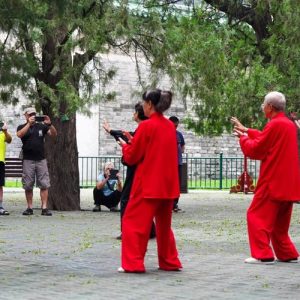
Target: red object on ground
(245, 182)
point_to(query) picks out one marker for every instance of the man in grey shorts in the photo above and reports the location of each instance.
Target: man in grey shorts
(35, 168)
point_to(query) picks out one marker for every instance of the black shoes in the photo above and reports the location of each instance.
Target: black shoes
(46, 212)
(176, 209)
(97, 208)
(28, 212)
(114, 209)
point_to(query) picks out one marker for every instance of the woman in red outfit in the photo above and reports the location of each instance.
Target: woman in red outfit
(154, 150)
(269, 214)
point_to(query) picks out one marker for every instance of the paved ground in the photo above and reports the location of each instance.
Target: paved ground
(74, 255)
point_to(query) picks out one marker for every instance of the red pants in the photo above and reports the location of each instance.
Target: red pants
(269, 221)
(136, 226)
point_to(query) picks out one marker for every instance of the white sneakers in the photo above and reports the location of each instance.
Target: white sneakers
(121, 270)
(252, 260)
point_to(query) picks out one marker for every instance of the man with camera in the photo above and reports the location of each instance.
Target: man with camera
(105, 193)
(35, 168)
(5, 137)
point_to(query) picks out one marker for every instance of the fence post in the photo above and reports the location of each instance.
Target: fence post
(221, 171)
(184, 176)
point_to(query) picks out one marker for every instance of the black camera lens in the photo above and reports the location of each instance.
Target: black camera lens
(39, 118)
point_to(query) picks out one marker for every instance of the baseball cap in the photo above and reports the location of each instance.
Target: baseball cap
(29, 110)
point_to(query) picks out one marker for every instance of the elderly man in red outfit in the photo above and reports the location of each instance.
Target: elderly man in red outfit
(154, 150)
(269, 214)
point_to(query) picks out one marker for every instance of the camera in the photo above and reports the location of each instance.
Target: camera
(39, 119)
(119, 134)
(113, 174)
(1, 125)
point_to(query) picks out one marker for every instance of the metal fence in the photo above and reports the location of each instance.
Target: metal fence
(217, 172)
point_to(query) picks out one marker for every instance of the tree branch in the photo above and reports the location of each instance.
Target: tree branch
(234, 9)
(3, 45)
(258, 19)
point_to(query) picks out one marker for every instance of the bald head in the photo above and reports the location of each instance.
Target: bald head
(276, 99)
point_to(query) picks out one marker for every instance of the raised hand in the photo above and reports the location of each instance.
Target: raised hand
(238, 125)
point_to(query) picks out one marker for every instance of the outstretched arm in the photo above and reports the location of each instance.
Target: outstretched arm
(8, 137)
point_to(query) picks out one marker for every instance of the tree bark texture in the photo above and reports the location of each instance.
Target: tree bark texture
(62, 157)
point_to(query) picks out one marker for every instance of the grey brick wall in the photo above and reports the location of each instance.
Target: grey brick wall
(119, 114)
(12, 115)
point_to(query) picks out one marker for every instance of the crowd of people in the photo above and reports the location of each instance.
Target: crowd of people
(150, 193)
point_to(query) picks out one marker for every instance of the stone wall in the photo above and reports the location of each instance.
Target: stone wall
(13, 116)
(91, 137)
(119, 113)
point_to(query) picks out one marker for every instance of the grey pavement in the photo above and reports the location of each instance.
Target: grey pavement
(74, 255)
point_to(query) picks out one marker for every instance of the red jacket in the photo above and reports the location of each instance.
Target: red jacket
(154, 150)
(277, 148)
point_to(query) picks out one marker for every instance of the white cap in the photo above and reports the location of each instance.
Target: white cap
(29, 110)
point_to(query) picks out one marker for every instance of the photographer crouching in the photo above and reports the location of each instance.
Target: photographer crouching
(108, 189)
(35, 168)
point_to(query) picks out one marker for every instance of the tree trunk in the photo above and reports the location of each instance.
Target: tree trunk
(62, 157)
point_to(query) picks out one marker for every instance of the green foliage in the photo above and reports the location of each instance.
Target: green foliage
(284, 48)
(215, 58)
(217, 64)
(49, 48)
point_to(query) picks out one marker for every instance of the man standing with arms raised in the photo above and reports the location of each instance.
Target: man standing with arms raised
(269, 215)
(35, 168)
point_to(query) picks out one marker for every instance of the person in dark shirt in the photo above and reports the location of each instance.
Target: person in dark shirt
(180, 146)
(35, 168)
(138, 116)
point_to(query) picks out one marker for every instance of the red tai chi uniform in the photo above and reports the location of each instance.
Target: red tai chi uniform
(155, 186)
(269, 214)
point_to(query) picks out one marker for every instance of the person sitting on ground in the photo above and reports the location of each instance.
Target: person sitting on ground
(105, 192)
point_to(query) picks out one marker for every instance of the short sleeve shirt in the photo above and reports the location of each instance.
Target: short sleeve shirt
(180, 144)
(2, 146)
(107, 190)
(33, 141)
